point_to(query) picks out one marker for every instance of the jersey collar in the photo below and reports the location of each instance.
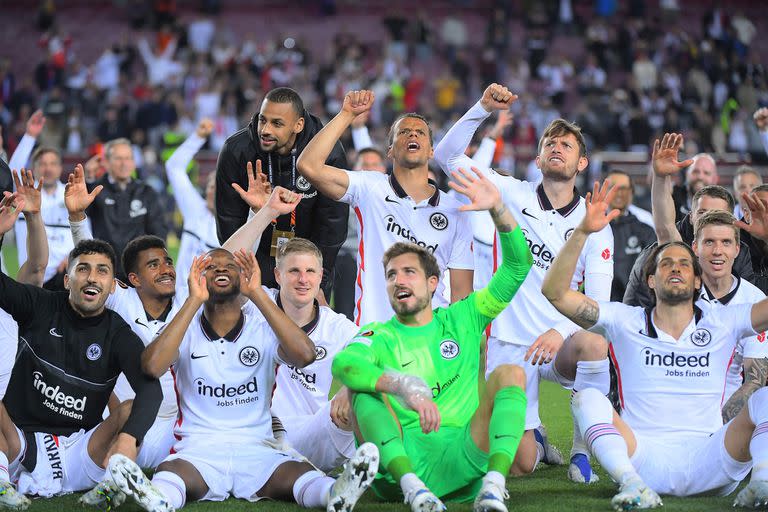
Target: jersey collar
(164, 315)
(308, 328)
(650, 329)
(707, 295)
(230, 336)
(402, 194)
(545, 204)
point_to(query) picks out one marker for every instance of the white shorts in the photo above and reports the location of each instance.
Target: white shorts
(690, 466)
(157, 444)
(500, 352)
(237, 469)
(60, 465)
(316, 437)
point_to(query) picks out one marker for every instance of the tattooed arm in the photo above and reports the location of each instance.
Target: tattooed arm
(755, 374)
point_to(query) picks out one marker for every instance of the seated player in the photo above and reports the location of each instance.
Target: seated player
(440, 439)
(671, 361)
(223, 357)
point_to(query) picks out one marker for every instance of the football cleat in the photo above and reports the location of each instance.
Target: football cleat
(635, 495)
(490, 498)
(105, 496)
(129, 478)
(12, 499)
(423, 500)
(580, 470)
(754, 495)
(358, 475)
(551, 455)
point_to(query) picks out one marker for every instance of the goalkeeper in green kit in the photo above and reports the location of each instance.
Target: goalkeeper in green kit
(414, 378)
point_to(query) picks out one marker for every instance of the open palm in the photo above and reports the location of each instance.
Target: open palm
(25, 187)
(664, 157)
(259, 187)
(482, 193)
(76, 195)
(597, 203)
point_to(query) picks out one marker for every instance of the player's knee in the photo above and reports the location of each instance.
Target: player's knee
(507, 375)
(585, 397)
(591, 346)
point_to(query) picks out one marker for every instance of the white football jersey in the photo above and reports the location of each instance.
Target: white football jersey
(755, 347)
(672, 388)
(301, 392)
(546, 230)
(386, 215)
(126, 302)
(225, 384)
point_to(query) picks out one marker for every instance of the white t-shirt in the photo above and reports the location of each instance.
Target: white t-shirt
(672, 388)
(755, 347)
(9, 341)
(530, 314)
(225, 384)
(386, 215)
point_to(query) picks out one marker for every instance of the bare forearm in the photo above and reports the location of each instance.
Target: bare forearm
(502, 218)
(163, 351)
(33, 270)
(557, 280)
(663, 209)
(755, 374)
(250, 233)
(296, 346)
(312, 159)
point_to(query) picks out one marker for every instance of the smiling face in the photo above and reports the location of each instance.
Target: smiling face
(278, 126)
(222, 276)
(155, 274)
(408, 287)
(90, 280)
(675, 280)
(411, 143)
(299, 275)
(559, 158)
(702, 172)
(623, 186)
(716, 248)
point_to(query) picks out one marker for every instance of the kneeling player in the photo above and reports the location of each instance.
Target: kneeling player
(443, 440)
(671, 361)
(223, 359)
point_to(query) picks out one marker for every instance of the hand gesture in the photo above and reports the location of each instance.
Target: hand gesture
(360, 120)
(481, 191)
(545, 348)
(250, 273)
(761, 119)
(497, 97)
(341, 410)
(10, 207)
(198, 284)
(282, 201)
(258, 187)
(664, 157)
(597, 204)
(505, 119)
(758, 212)
(76, 196)
(92, 168)
(357, 102)
(204, 128)
(35, 124)
(416, 395)
(25, 187)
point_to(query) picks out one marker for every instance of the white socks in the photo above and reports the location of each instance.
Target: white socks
(172, 487)
(4, 475)
(312, 489)
(589, 374)
(758, 445)
(410, 482)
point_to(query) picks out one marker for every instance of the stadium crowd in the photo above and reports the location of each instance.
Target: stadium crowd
(369, 232)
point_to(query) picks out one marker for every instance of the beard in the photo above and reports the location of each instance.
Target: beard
(228, 294)
(675, 296)
(563, 176)
(403, 309)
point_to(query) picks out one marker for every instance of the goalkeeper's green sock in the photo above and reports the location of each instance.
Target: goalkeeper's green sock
(506, 428)
(378, 425)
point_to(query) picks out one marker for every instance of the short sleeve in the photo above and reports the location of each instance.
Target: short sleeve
(609, 315)
(360, 182)
(461, 250)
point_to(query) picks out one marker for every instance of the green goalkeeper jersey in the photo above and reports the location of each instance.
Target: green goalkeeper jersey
(445, 353)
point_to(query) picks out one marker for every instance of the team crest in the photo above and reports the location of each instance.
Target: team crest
(449, 349)
(249, 356)
(136, 205)
(701, 337)
(568, 234)
(438, 221)
(302, 184)
(93, 352)
(320, 353)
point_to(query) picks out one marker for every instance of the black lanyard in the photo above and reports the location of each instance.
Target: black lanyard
(270, 176)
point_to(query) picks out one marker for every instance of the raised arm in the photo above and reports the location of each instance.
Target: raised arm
(77, 199)
(281, 202)
(186, 196)
(361, 138)
(33, 270)
(20, 157)
(665, 165)
(332, 181)
(556, 286)
(295, 347)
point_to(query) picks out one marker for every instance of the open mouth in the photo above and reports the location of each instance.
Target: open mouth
(267, 140)
(413, 146)
(222, 281)
(91, 291)
(675, 280)
(556, 159)
(166, 280)
(403, 295)
(717, 264)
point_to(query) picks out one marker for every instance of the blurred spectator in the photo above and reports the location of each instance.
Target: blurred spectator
(200, 34)
(744, 181)
(702, 172)
(161, 68)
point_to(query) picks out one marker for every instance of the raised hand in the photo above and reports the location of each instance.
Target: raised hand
(204, 128)
(198, 285)
(545, 348)
(35, 124)
(10, 207)
(259, 187)
(597, 204)
(497, 97)
(758, 212)
(360, 120)
(481, 191)
(25, 187)
(283, 201)
(76, 196)
(664, 157)
(250, 273)
(358, 102)
(761, 119)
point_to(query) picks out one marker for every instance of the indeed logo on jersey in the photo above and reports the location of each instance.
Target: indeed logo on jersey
(397, 229)
(224, 391)
(678, 365)
(305, 378)
(57, 398)
(543, 257)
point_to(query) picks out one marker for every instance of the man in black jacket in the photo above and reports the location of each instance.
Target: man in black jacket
(276, 136)
(702, 172)
(126, 207)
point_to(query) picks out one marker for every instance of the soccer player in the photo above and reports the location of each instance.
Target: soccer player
(530, 332)
(71, 351)
(318, 428)
(224, 359)
(414, 377)
(402, 206)
(671, 360)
